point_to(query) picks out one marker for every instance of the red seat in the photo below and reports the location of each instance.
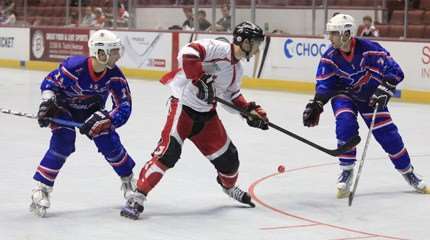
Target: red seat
(426, 32)
(274, 3)
(397, 17)
(415, 31)
(341, 2)
(300, 2)
(384, 30)
(415, 16)
(395, 4)
(243, 2)
(426, 18)
(396, 31)
(425, 4)
(362, 3)
(331, 2)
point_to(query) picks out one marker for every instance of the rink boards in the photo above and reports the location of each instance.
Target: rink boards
(290, 63)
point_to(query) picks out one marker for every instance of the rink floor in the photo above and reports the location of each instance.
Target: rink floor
(188, 203)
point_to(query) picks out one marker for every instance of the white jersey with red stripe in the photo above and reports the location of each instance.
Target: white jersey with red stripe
(217, 59)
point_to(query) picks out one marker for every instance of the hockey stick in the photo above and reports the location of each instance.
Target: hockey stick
(263, 59)
(141, 58)
(32, 116)
(334, 152)
(360, 165)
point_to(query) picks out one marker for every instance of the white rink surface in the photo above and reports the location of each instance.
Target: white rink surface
(188, 203)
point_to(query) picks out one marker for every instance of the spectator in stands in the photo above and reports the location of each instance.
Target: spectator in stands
(7, 6)
(75, 3)
(278, 31)
(184, 2)
(189, 22)
(10, 18)
(123, 16)
(37, 21)
(100, 18)
(368, 29)
(89, 17)
(203, 23)
(224, 23)
(74, 20)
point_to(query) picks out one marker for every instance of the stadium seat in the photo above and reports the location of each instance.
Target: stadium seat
(425, 4)
(397, 17)
(415, 31)
(383, 30)
(426, 18)
(243, 2)
(361, 3)
(273, 2)
(415, 17)
(395, 4)
(300, 2)
(396, 31)
(426, 32)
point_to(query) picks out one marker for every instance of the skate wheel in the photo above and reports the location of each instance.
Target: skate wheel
(41, 212)
(342, 194)
(38, 211)
(127, 214)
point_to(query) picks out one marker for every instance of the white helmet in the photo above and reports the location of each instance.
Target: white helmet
(104, 40)
(341, 23)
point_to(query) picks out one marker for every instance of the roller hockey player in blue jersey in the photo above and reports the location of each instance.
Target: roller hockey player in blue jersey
(356, 74)
(78, 90)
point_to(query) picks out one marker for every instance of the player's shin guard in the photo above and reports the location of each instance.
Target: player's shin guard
(150, 175)
(49, 167)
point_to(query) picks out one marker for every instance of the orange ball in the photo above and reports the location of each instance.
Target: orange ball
(281, 168)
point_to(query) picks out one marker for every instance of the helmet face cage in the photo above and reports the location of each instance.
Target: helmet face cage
(250, 31)
(105, 41)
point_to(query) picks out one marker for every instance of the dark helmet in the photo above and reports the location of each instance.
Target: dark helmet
(247, 30)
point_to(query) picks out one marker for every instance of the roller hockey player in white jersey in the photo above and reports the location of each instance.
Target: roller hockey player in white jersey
(77, 91)
(356, 74)
(208, 68)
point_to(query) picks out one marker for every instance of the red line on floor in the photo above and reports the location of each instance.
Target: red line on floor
(290, 226)
(251, 191)
(352, 238)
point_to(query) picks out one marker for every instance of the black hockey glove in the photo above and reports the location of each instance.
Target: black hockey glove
(206, 90)
(47, 108)
(382, 95)
(97, 123)
(257, 118)
(311, 115)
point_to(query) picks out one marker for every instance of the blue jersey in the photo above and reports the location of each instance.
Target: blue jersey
(357, 74)
(75, 80)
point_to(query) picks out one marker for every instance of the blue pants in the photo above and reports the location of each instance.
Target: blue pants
(62, 144)
(385, 132)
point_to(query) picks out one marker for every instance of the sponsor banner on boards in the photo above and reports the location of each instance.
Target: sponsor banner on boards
(55, 45)
(14, 43)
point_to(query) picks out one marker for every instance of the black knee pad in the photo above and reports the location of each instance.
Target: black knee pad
(172, 154)
(228, 162)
